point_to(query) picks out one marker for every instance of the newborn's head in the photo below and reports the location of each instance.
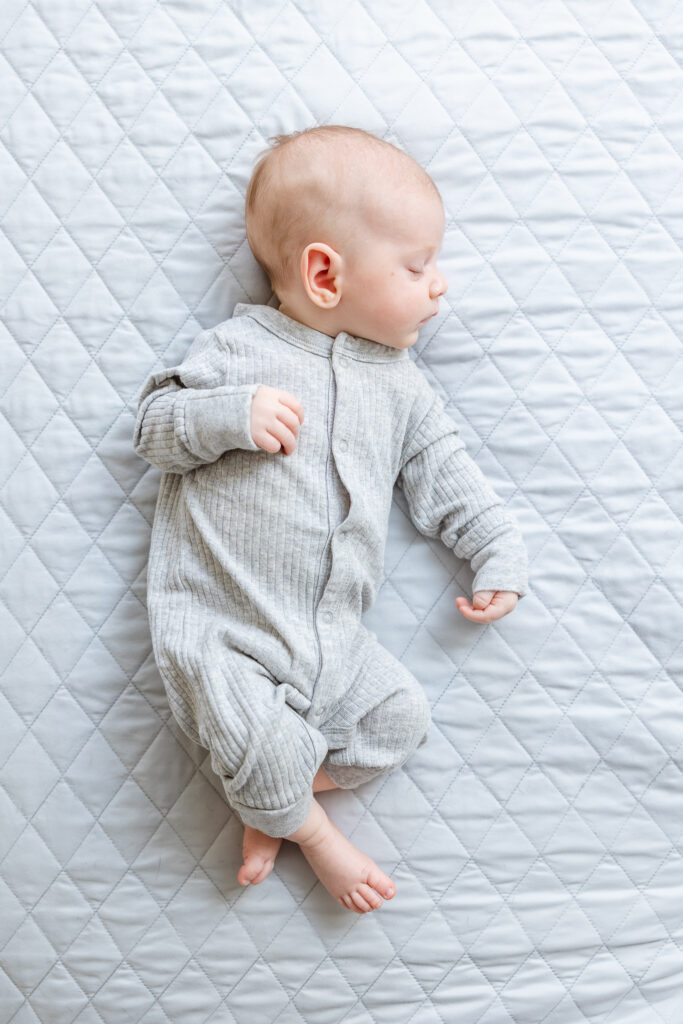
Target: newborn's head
(348, 228)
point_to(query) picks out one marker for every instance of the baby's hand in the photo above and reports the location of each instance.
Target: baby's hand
(275, 419)
(488, 605)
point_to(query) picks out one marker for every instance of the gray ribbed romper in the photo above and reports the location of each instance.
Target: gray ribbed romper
(262, 564)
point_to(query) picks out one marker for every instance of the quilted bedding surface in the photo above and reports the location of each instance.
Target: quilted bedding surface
(537, 839)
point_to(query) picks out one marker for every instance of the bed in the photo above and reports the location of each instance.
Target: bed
(536, 840)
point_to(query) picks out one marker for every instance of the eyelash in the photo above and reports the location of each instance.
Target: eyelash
(418, 272)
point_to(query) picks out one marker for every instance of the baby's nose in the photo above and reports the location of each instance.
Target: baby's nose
(439, 286)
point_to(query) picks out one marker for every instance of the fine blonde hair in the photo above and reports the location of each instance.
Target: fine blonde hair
(310, 180)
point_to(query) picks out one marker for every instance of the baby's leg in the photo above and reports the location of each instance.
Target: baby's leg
(349, 875)
(268, 756)
(267, 783)
(259, 850)
(322, 781)
(385, 719)
(382, 722)
(265, 752)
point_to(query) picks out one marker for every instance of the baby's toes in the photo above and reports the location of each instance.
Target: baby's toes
(254, 870)
(360, 901)
(347, 902)
(264, 872)
(247, 872)
(381, 883)
(370, 896)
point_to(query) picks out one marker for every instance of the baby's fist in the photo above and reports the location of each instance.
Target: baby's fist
(488, 605)
(275, 419)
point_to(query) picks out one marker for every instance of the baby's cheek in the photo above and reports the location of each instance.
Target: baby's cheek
(393, 298)
(382, 309)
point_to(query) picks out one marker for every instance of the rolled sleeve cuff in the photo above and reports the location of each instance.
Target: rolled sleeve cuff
(216, 421)
(490, 579)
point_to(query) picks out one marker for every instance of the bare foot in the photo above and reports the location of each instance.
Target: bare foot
(349, 875)
(259, 852)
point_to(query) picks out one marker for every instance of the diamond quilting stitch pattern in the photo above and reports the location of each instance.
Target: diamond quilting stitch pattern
(550, 781)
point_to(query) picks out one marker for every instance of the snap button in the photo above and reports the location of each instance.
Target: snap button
(343, 445)
(326, 616)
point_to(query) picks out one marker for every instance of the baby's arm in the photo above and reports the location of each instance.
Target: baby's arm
(448, 496)
(189, 415)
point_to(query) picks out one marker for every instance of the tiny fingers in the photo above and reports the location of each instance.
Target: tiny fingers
(284, 435)
(293, 403)
(475, 614)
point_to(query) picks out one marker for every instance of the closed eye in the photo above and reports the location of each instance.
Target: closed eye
(414, 271)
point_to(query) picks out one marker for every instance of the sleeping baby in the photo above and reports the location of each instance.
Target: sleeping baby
(281, 436)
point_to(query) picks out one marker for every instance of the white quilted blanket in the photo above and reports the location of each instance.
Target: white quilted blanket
(537, 840)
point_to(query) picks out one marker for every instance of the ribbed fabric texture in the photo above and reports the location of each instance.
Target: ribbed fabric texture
(261, 565)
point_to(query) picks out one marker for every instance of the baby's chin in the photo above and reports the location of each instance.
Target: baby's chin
(400, 340)
(409, 339)
(397, 339)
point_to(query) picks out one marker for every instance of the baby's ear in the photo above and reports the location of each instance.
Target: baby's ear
(321, 274)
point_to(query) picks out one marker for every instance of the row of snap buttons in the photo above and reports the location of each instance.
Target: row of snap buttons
(343, 444)
(327, 616)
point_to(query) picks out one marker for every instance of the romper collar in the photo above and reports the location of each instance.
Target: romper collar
(315, 341)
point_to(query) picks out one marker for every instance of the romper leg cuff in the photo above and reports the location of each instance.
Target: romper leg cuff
(278, 823)
(351, 776)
